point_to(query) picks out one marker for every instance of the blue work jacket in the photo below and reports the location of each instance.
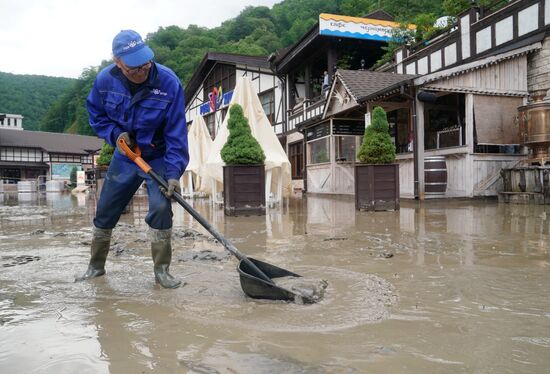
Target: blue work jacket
(154, 116)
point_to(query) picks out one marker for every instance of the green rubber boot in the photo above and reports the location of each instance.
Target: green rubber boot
(161, 249)
(101, 240)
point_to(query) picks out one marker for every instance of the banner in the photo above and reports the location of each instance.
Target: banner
(356, 27)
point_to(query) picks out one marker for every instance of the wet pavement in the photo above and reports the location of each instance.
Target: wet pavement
(439, 287)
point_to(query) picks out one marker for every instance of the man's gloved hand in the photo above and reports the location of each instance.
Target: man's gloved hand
(173, 185)
(128, 139)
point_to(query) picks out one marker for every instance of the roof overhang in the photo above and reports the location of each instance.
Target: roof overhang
(476, 65)
(353, 88)
(210, 59)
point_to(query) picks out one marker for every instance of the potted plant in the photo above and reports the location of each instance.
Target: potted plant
(103, 161)
(377, 176)
(244, 171)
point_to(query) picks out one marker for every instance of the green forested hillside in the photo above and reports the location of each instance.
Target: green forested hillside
(69, 113)
(30, 95)
(257, 30)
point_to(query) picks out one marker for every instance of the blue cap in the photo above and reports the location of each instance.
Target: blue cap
(131, 49)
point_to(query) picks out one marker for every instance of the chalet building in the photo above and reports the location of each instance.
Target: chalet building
(11, 121)
(463, 99)
(321, 144)
(454, 102)
(28, 155)
(452, 105)
(211, 87)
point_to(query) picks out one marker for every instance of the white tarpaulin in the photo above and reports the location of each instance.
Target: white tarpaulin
(195, 178)
(277, 165)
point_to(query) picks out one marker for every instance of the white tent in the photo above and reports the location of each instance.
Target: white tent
(277, 165)
(195, 179)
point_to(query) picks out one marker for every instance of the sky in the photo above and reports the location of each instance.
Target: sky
(61, 38)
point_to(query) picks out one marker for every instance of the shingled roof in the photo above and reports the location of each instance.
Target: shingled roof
(50, 142)
(364, 84)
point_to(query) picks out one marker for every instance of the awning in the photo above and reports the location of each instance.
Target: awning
(495, 119)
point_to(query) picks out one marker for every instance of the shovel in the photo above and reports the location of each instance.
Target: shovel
(256, 276)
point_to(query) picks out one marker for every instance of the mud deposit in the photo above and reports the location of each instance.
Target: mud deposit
(435, 287)
(306, 291)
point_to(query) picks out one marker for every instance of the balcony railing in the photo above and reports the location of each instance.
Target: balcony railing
(308, 110)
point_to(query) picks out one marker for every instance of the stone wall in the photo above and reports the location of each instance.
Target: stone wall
(538, 69)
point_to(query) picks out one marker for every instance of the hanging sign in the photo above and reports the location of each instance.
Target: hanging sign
(358, 28)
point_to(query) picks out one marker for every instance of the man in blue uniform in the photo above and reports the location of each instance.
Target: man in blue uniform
(142, 102)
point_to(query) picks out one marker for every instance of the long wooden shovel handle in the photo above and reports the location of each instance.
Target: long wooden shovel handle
(136, 157)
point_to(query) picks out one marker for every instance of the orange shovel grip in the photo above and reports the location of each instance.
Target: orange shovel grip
(134, 155)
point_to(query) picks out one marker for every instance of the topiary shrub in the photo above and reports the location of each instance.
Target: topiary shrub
(377, 146)
(241, 147)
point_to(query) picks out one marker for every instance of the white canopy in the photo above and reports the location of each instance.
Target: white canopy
(277, 165)
(200, 145)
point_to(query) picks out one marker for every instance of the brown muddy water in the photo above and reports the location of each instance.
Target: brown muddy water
(437, 287)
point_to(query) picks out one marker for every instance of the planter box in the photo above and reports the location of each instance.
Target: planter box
(244, 190)
(377, 187)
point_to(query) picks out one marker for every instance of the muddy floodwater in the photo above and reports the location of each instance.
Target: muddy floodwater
(436, 287)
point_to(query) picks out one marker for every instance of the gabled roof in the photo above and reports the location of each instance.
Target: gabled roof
(50, 142)
(380, 14)
(211, 58)
(364, 84)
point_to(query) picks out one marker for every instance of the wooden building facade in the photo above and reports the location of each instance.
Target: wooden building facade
(471, 81)
(451, 101)
(452, 105)
(210, 89)
(28, 155)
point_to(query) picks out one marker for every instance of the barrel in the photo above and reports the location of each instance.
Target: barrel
(435, 175)
(26, 186)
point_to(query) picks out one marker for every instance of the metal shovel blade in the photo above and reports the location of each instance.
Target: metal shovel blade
(258, 288)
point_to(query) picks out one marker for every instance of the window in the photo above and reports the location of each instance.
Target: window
(296, 157)
(495, 124)
(444, 122)
(20, 154)
(346, 148)
(86, 159)
(224, 112)
(268, 103)
(318, 151)
(64, 158)
(210, 121)
(400, 131)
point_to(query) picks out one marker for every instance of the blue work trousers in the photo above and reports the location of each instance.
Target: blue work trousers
(121, 183)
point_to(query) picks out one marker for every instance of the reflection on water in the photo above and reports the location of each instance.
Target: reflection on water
(470, 277)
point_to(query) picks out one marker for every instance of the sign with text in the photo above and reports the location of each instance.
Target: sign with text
(356, 27)
(80, 178)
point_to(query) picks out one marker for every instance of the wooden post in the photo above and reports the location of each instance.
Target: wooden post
(419, 147)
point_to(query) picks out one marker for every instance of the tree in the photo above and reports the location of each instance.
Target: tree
(257, 30)
(241, 147)
(105, 154)
(377, 146)
(72, 177)
(30, 95)
(356, 8)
